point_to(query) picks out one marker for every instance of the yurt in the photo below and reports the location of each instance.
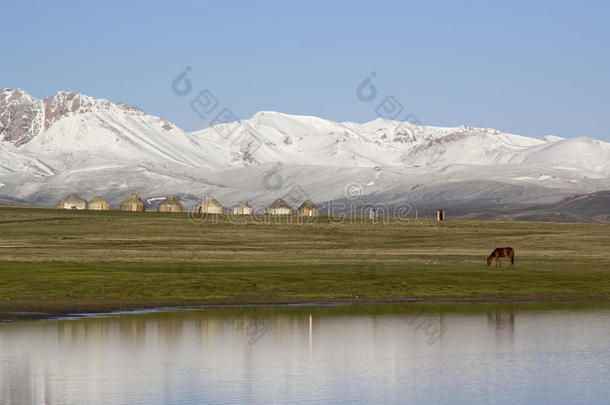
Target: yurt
(279, 207)
(209, 205)
(243, 208)
(132, 203)
(170, 204)
(308, 209)
(72, 202)
(99, 204)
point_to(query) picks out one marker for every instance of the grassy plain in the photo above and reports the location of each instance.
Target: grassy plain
(53, 260)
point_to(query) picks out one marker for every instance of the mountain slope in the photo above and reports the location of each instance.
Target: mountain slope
(72, 143)
(69, 131)
(274, 137)
(270, 137)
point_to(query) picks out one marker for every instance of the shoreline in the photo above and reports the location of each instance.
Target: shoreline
(25, 310)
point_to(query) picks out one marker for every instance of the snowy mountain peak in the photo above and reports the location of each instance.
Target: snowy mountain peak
(269, 136)
(551, 138)
(68, 102)
(23, 117)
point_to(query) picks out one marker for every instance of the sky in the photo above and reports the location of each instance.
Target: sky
(529, 68)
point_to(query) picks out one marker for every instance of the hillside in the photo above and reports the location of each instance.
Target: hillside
(73, 143)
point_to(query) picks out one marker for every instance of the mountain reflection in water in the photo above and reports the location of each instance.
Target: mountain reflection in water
(382, 354)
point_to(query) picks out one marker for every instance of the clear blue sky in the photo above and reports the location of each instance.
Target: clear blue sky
(532, 68)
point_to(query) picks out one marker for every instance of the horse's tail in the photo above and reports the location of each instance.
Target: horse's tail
(512, 257)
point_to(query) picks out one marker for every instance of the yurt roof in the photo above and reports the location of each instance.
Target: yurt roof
(243, 204)
(209, 200)
(280, 204)
(133, 196)
(72, 198)
(171, 200)
(97, 199)
(308, 204)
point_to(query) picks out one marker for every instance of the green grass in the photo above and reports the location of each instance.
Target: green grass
(75, 259)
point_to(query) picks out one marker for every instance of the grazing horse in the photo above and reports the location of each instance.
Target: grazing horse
(501, 252)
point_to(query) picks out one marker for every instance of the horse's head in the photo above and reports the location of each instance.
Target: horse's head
(489, 259)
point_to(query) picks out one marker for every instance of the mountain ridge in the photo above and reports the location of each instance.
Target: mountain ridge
(76, 143)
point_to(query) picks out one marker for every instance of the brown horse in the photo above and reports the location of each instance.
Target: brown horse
(501, 252)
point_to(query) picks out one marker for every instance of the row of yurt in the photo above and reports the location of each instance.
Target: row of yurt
(209, 205)
(280, 207)
(74, 202)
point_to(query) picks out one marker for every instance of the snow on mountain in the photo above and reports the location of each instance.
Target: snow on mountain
(589, 155)
(551, 138)
(69, 131)
(271, 137)
(11, 161)
(72, 143)
(274, 137)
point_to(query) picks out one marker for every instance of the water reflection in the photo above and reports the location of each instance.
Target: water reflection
(503, 324)
(325, 355)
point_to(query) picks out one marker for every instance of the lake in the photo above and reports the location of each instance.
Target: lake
(408, 353)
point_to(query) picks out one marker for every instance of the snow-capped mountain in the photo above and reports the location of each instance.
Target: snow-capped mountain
(72, 143)
(269, 137)
(70, 130)
(274, 137)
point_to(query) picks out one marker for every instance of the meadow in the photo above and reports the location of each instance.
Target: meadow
(58, 260)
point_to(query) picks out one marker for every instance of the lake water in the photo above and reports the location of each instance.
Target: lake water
(344, 354)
